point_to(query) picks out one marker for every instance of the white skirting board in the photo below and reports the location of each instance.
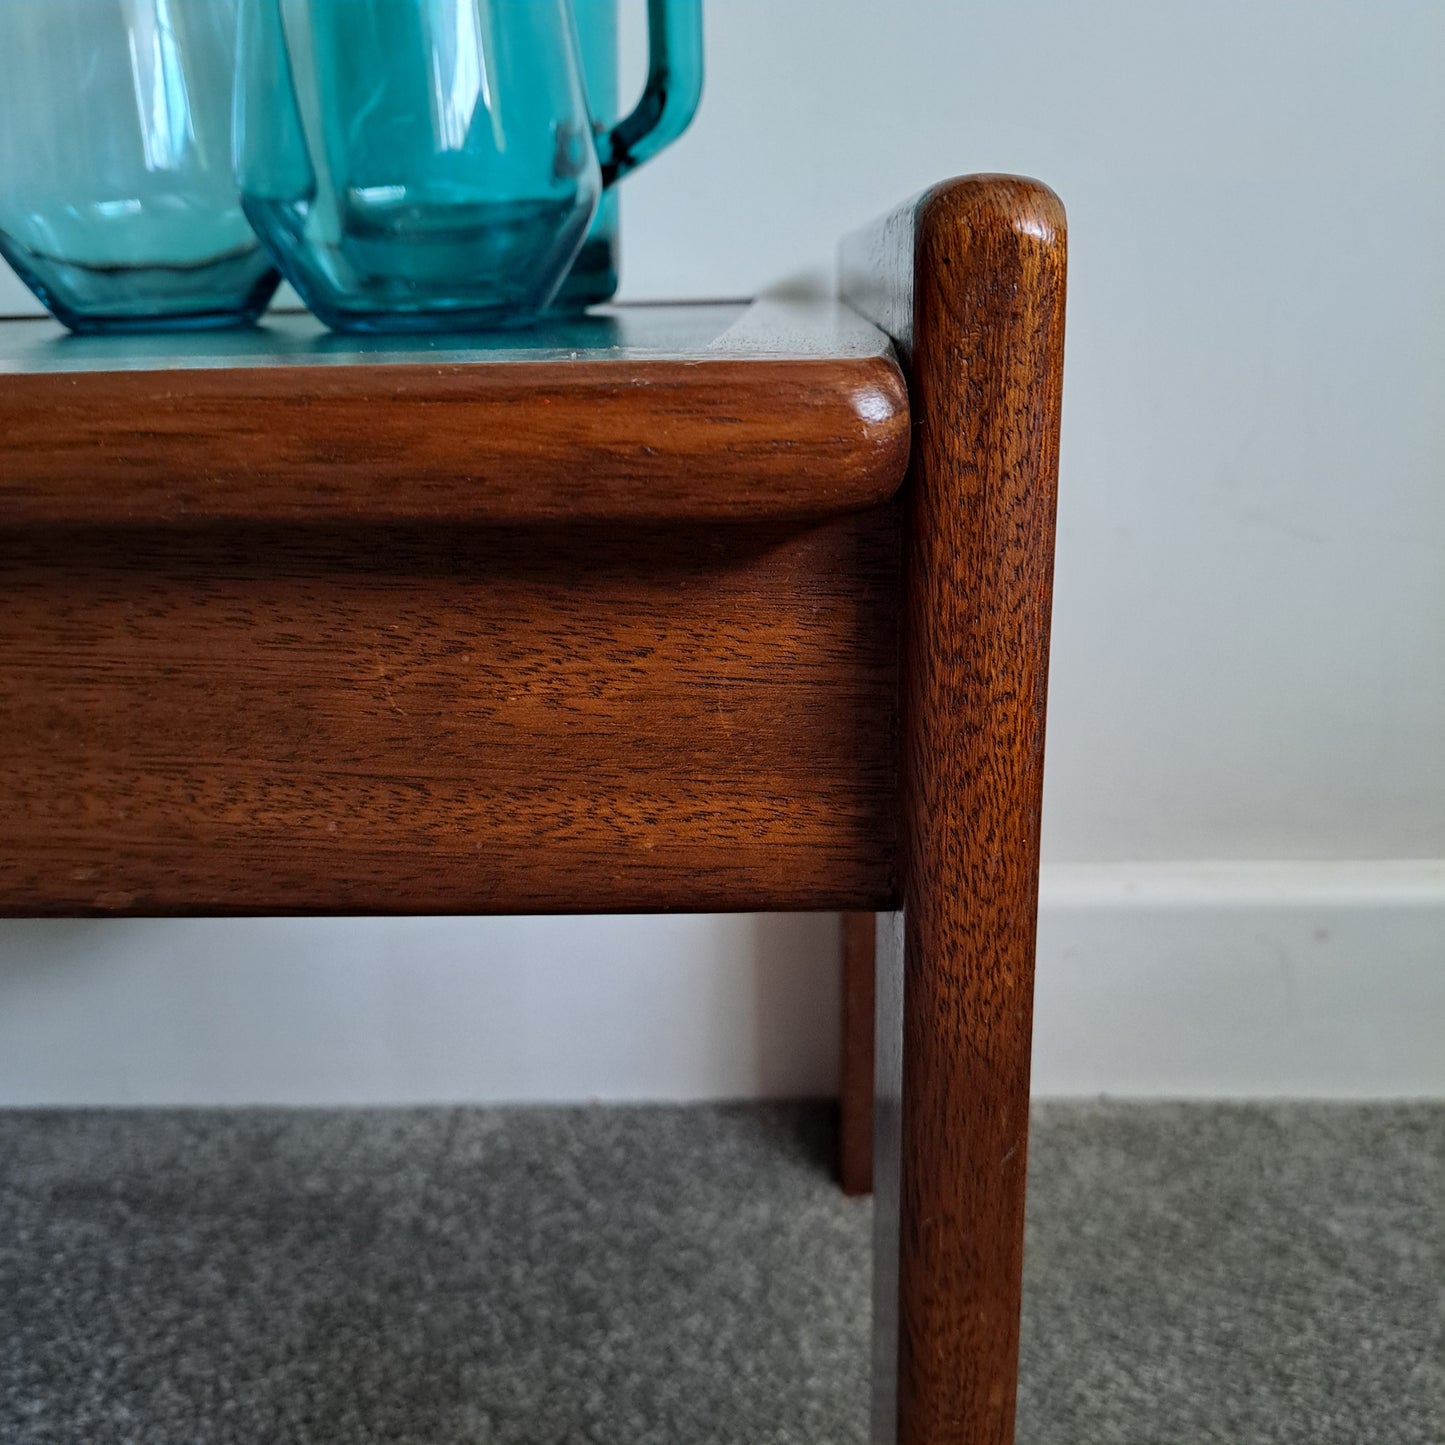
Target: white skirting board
(1322, 980)
(1316, 980)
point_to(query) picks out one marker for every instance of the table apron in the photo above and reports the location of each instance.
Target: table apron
(246, 720)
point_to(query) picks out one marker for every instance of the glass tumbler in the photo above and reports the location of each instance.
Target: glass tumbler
(433, 164)
(117, 203)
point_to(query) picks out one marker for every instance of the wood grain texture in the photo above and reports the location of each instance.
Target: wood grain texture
(855, 1066)
(480, 721)
(773, 412)
(970, 282)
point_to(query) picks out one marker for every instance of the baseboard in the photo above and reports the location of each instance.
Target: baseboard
(1166, 980)
(1242, 979)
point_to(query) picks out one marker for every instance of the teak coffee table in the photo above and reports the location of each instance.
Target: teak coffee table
(701, 607)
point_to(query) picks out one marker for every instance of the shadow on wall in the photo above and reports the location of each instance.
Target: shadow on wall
(42, 948)
(813, 284)
(796, 963)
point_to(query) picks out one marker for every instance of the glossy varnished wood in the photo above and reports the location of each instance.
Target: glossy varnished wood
(703, 413)
(970, 282)
(481, 721)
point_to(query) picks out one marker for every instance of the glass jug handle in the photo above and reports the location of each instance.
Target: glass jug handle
(670, 97)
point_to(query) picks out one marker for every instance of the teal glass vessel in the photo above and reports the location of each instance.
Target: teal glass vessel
(117, 204)
(434, 164)
(594, 274)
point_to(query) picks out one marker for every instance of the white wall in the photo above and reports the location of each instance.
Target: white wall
(1249, 659)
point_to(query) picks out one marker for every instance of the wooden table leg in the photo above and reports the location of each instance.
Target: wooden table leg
(855, 1066)
(970, 282)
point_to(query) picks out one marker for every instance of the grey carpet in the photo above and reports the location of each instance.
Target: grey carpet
(503, 1277)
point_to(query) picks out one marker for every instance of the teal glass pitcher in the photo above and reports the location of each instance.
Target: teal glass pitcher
(593, 277)
(434, 164)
